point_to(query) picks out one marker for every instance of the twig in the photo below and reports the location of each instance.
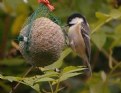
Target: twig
(51, 87)
(15, 45)
(110, 59)
(58, 83)
(107, 55)
(16, 86)
(113, 69)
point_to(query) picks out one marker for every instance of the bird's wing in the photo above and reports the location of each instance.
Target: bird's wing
(85, 35)
(85, 28)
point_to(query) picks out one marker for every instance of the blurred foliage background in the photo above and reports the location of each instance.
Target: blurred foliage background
(104, 17)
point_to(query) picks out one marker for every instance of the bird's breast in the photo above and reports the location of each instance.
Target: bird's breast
(76, 40)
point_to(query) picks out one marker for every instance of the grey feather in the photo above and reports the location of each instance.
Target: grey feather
(85, 30)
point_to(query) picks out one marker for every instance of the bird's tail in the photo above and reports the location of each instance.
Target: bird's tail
(87, 72)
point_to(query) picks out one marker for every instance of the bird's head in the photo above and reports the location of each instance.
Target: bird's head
(75, 19)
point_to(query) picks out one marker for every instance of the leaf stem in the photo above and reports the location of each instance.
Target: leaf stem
(57, 87)
(16, 86)
(97, 27)
(118, 65)
(51, 87)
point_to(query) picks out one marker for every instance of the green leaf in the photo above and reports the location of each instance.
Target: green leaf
(102, 16)
(66, 76)
(16, 7)
(116, 42)
(12, 62)
(69, 72)
(118, 29)
(102, 19)
(10, 78)
(29, 81)
(44, 79)
(116, 37)
(71, 69)
(115, 14)
(47, 74)
(59, 62)
(36, 87)
(99, 39)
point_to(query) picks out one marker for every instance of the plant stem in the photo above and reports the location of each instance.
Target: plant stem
(51, 87)
(58, 83)
(118, 65)
(107, 55)
(97, 27)
(19, 82)
(57, 87)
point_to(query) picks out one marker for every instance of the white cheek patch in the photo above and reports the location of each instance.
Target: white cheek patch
(76, 20)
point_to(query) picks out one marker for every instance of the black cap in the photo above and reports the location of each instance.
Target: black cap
(75, 15)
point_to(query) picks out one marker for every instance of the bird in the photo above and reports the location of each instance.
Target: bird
(79, 39)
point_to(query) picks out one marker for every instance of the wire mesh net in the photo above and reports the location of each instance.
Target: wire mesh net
(41, 11)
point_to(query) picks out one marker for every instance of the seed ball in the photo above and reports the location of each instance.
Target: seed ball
(46, 42)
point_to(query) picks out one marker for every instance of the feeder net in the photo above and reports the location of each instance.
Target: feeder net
(41, 11)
